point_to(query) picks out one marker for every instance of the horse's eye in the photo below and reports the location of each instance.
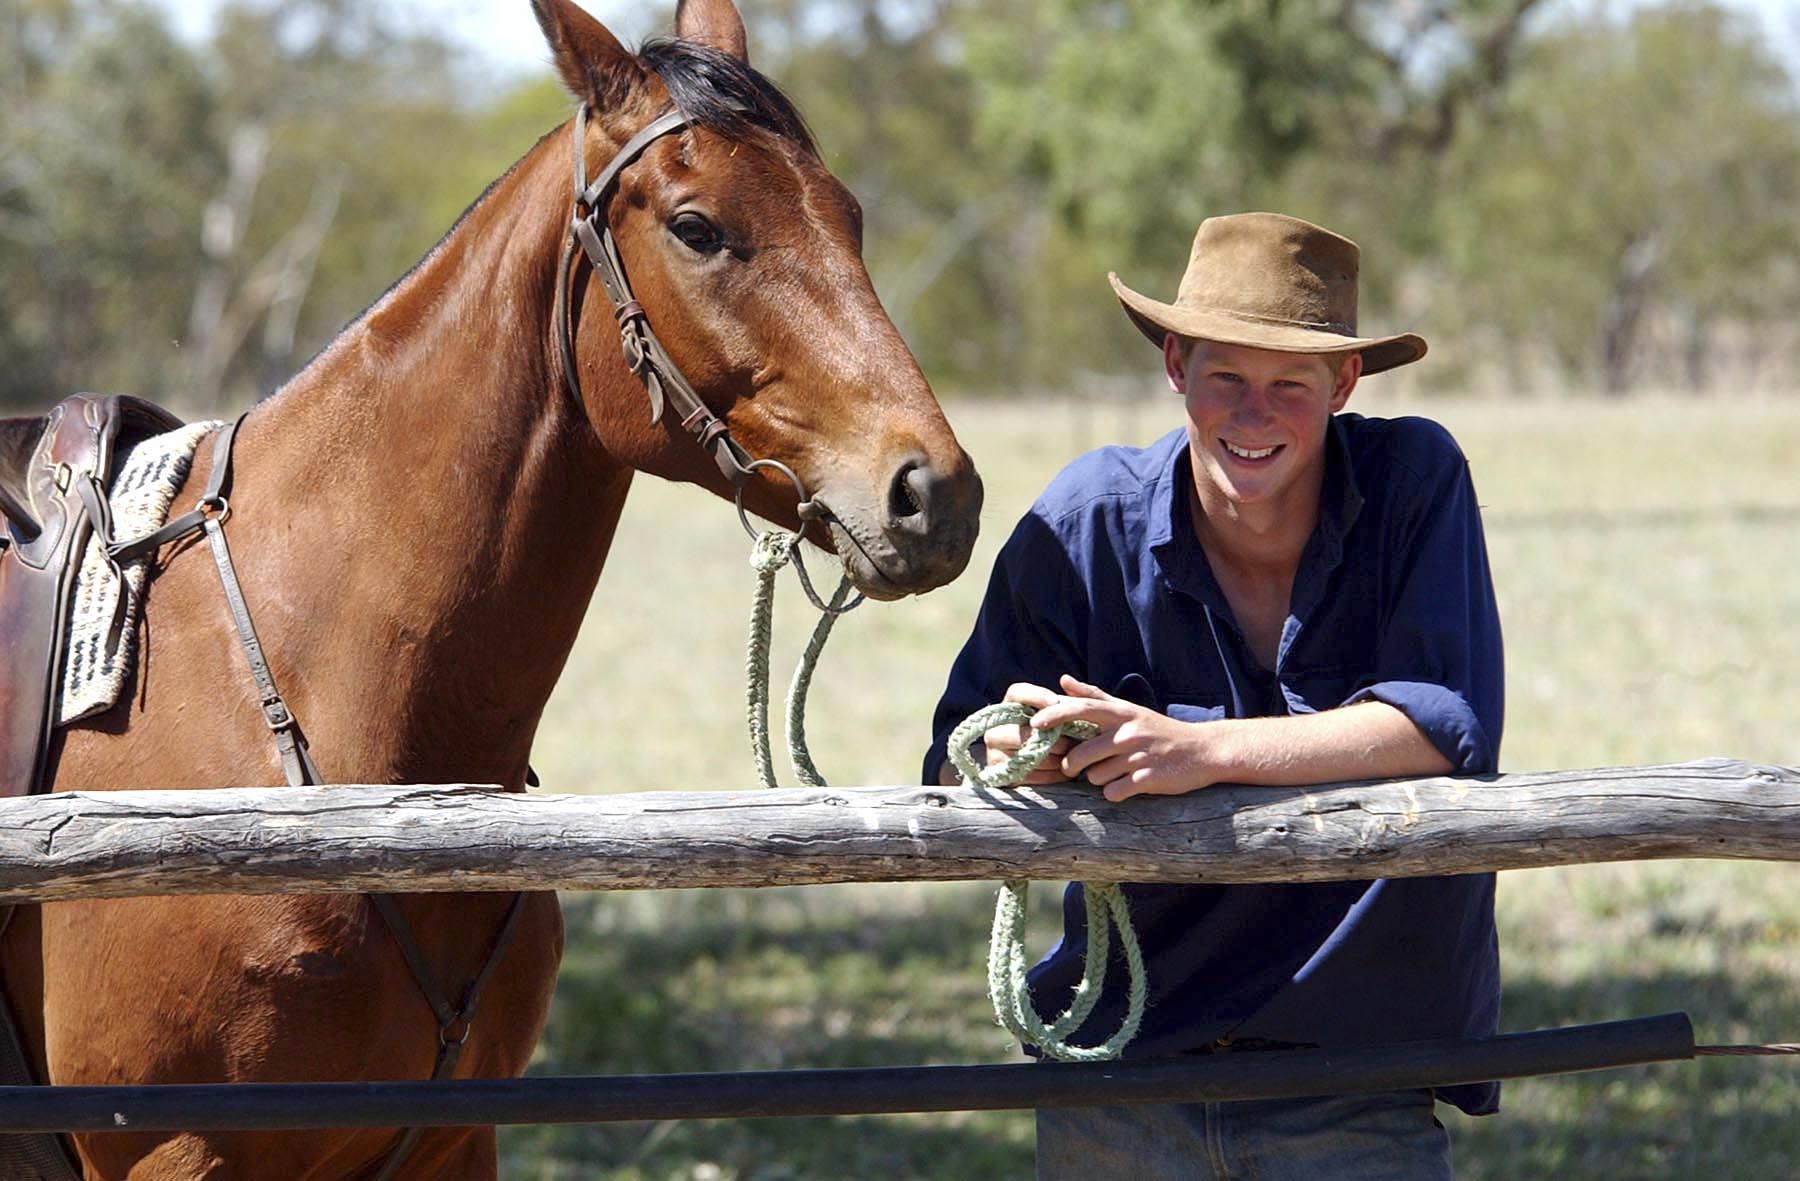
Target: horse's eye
(697, 234)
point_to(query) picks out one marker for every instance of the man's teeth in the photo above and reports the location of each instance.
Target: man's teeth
(1247, 453)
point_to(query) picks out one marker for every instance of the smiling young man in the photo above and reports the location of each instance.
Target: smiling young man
(1281, 593)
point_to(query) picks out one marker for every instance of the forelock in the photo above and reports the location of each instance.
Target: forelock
(717, 91)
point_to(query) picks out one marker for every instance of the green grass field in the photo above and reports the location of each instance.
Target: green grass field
(1647, 558)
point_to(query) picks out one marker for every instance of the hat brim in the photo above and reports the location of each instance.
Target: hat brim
(1156, 320)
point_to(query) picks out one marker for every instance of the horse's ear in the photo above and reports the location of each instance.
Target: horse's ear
(594, 66)
(715, 23)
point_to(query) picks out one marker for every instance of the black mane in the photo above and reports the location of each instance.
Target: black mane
(717, 91)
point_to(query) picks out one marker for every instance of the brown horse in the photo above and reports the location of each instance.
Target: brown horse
(419, 519)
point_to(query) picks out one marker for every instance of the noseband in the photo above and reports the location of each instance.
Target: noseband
(644, 353)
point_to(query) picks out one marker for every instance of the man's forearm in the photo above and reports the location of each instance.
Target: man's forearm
(1144, 751)
(1139, 750)
(1368, 740)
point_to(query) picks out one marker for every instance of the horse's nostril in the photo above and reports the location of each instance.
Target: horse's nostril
(908, 494)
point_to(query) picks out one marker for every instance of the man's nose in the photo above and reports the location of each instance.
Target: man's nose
(1253, 402)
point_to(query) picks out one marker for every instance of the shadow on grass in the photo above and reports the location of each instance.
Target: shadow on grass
(760, 980)
(1716, 1118)
(861, 976)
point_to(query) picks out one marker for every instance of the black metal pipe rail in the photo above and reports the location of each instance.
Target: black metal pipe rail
(864, 1091)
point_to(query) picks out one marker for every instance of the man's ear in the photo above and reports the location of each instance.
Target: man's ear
(1347, 375)
(1175, 362)
(594, 66)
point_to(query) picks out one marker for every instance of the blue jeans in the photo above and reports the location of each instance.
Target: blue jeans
(1391, 1136)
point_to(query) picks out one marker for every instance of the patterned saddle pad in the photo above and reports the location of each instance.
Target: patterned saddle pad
(100, 656)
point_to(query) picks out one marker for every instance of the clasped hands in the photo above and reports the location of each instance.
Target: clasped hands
(1137, 752)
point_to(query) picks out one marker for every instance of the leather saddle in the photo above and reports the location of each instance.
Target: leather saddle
(54, 472)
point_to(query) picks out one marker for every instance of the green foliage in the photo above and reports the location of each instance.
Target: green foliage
(1635, 167)
(1140, 117)
(357, 115)
(100, 188)
(891, 103)
(1132, 120)
(192, 223)
(1593, 195)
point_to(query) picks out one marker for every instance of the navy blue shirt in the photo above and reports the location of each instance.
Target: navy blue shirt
(1105, 579)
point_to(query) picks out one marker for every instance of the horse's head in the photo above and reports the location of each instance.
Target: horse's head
(744, 254)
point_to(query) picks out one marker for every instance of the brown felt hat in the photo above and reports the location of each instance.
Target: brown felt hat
(1266, 281)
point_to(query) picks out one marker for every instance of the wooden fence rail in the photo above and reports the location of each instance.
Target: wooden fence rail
(312, 840)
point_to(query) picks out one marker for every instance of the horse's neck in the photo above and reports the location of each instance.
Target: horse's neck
(433, 509)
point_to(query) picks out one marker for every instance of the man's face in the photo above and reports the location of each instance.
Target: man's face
(1257, 420)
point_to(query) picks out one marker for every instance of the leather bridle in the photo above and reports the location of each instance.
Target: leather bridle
(591, 234)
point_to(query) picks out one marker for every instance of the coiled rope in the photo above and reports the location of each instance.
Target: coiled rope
(1008, 988)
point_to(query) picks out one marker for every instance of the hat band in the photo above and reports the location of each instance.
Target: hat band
(1335, 327)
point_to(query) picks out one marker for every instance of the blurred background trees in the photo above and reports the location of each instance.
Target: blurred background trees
(1558, 194)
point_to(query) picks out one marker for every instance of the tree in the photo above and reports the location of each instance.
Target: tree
(334, 121)
(100, 195)
(189, 224)
(891, 102)
(1135, 119)
(1602, 196)
(1641, 176)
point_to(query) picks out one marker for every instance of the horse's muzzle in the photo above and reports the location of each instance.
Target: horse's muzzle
(917, 534)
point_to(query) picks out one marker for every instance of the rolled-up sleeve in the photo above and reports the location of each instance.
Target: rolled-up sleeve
(1440, 658)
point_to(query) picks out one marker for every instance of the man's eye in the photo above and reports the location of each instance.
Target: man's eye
(697, 234)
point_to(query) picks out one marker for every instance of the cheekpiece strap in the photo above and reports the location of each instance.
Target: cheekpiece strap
(643, 352)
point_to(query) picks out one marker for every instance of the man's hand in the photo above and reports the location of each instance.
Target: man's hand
(1002, 742)
(1137, 752)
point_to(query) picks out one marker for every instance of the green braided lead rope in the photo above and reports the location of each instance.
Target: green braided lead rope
(798, 754)
(1007, 986)
(1030, 753)
(768, 554)
(1106, 909)
(1011, 994)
